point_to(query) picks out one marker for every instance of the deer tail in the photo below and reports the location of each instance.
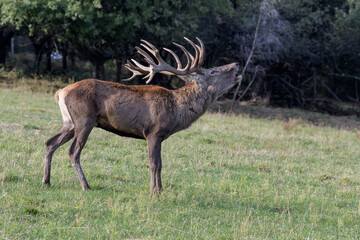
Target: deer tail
(56, 96)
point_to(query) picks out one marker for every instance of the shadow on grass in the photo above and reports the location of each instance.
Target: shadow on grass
(350, 122)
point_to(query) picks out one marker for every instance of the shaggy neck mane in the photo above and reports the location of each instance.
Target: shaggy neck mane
(192, 101)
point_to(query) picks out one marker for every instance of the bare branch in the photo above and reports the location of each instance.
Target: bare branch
(329, 90)
(247, 63)
(346, 76)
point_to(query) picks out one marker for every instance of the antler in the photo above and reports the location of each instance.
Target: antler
(193, 64)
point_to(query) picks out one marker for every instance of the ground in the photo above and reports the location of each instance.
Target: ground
(257, 173)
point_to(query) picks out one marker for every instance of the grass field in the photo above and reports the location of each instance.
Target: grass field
(226, 177)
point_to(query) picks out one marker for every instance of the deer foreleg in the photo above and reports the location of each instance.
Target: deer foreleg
(154, 148)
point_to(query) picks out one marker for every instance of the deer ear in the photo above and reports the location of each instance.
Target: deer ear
(185, 78)
(201, 71)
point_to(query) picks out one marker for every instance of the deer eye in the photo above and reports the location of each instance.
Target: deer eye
(214, 71)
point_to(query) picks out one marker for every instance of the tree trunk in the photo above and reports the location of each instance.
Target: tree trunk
(2, 53)
(48, 56)
(268, 93)
(5, 39)
(38, 57)
(98, 69)
(72, 59)
(39, 49)
(39, 43)
(118, 65)
(258, 84)
(64, 50)
(64, 54)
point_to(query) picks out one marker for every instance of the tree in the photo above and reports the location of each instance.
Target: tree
(35, 18)
(346, 37)
(233, 37)
(104, 30)
(311, 57)
(345, 49)
(6, 33)
(272, 44)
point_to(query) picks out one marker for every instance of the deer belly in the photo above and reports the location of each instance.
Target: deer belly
(122, 127)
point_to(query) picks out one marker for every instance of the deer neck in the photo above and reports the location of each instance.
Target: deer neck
(192, 101)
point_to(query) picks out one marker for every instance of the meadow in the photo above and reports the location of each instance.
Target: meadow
(228, 176)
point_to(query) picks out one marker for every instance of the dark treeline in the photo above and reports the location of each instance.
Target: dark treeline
(304, 51)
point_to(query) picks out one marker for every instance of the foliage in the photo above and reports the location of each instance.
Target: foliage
(249, 179)
(6, 34)
(305, 73)
(306, 51)
(102, 30)
(275, 36)
(346, 31)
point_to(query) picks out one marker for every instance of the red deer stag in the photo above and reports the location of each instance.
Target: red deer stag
(147, 112)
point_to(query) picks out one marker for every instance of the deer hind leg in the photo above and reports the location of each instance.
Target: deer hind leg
(82, 132)
(63, 136)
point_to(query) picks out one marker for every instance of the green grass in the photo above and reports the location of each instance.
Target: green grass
(227, 177)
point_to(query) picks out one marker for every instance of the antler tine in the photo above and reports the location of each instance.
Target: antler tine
(202, 52)
(175, 56)
(140, 67)
(154, 51)
(148, 49)
(131, 65)
(132, 77)
(134, 72)
(150, 76)
(145, 55)
(187, 54)
(139, 70)
(194, 62)
(149, 44)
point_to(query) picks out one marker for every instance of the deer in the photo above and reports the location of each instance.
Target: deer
(147, 112)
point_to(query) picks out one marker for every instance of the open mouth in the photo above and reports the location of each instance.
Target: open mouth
(238, 78)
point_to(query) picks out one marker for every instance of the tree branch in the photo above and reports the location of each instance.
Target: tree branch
(247, 88)
(330, 91)
(247, 62)
(346, 76)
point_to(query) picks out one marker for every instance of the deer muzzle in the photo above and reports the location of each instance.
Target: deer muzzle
(238, 78)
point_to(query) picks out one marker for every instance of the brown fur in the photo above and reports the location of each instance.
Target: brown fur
(148, 112)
